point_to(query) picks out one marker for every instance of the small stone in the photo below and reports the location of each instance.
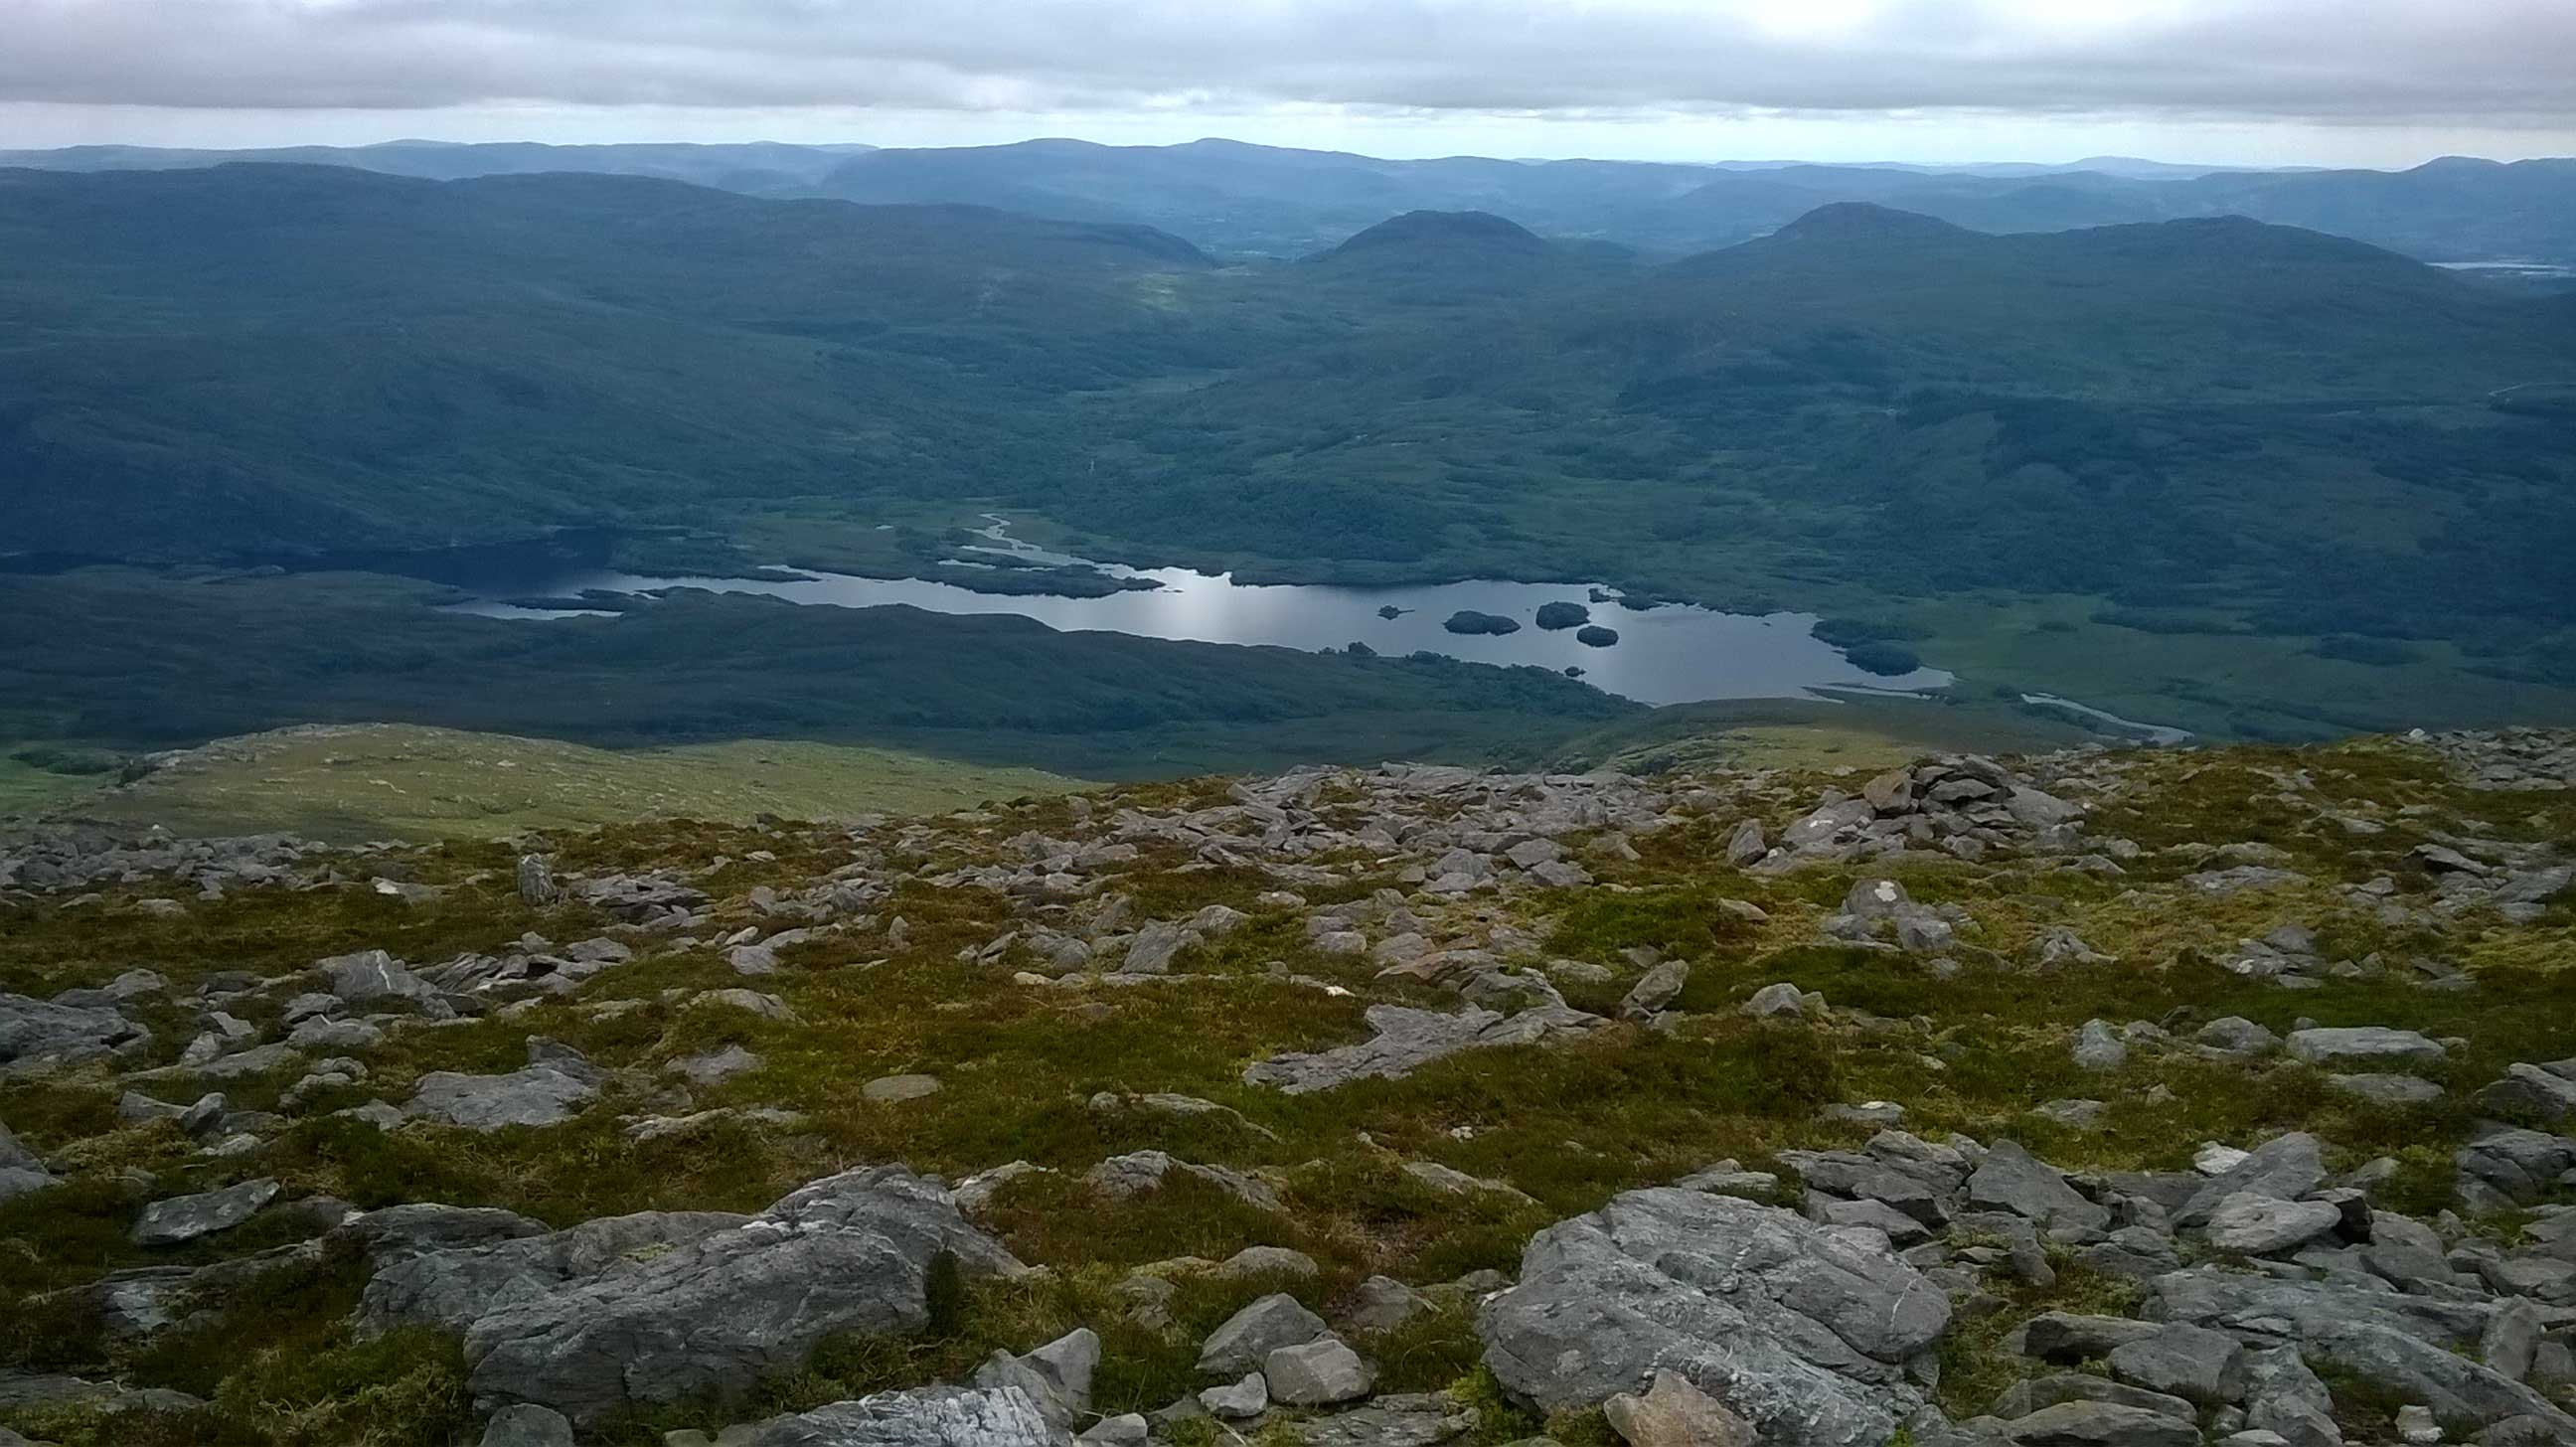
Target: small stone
(1249, 1397)
(2098, 1047)
(2251, 1225)
(525, 1424)
(1248, 1337)
(2416, 1426)
(1674, 1413)
(1776, 1002)
(1127, 1429)
(1383, 1303)
(1317, 1374)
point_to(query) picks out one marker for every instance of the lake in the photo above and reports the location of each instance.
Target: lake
(1668, 654)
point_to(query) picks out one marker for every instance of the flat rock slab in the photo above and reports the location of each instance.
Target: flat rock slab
(537, 1095)
(888, 1089)
(1800, 1330)
(2369, 1045)
(1407, 1039)
(185, 1218)
(921, 1417)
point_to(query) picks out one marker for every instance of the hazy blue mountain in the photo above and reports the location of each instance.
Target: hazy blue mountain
(1232, 197)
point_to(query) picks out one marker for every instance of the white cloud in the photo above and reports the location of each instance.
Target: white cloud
(2329, 61)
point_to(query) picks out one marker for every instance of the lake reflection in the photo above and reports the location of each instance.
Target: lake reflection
(1670, 654)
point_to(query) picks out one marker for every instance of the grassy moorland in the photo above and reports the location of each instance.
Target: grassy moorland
(1555, 1128)
(377, 781)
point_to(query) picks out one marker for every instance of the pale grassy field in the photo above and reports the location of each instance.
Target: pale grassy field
(369, 781)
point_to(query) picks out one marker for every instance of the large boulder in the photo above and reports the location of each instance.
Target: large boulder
(616, 1314)
(33, 1030)
(1802, 1330)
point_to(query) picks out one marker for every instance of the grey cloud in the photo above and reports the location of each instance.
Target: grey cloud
(2506, 61)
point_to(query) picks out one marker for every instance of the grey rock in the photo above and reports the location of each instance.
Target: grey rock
(629, 1311)
(1127, 1429)
(1382, 1304)
(1408, 1039)
(1254, 1261)
(2181, 1360)
(2237, 1036)
(1123, 1177)
(768, 1007)
(892, 1089)
(2284, 1397)
(2285, 1168)
(2214, 1297)
(1316, 1374)
(2512, 1340)
(2383, 1089)
(1152, 949)
(334, 1035)
(2025, 1397)
(375, 977)
(1746, 845)
(1801, 1330)
(2531, 1092)
(1656, 990)
(34, 1030)
(538, 1095)
(2418, 1370)
(185, 1218)
(1400, 1420)
(2511, 1166)
(536, 880)
(2011, 1179)
(1781, 1001)
(2252, 1225)
(2098, 1047)
(526, 1424)
(2066, 1337)
(715, 1067)
(1673, 1413)
(1247, 1397)
(2100, 1424)
(919, 1417)
(1056, 1377)
(2364, 1045)
(1246, 1339)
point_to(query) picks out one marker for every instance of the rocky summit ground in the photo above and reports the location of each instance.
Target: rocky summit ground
(2149, 1097)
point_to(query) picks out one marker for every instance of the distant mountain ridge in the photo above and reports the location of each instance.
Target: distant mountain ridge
(1233, 197)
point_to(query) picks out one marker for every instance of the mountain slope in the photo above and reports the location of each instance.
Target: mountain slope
(269, 358)
(1469, 1073)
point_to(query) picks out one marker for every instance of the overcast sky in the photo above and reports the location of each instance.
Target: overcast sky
(2359, 82)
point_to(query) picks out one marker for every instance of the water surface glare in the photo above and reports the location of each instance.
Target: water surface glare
(1669, 654)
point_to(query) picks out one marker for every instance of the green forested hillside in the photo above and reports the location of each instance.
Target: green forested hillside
(281, 358)
(2236, 476)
